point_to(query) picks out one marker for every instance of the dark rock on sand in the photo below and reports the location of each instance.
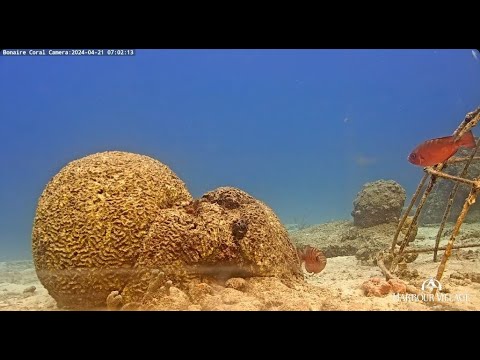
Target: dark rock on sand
(378, 202)
(29, 290)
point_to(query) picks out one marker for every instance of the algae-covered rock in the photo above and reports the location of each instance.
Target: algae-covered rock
(378, 202)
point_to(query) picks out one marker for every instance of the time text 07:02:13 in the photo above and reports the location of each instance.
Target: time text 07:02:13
(68, 52)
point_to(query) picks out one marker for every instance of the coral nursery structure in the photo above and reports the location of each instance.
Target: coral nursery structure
(432, 174)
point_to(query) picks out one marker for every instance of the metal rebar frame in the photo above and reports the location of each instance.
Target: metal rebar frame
(435, 172)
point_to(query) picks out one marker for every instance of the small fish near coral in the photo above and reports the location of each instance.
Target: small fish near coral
(315, 260)
(439, 150)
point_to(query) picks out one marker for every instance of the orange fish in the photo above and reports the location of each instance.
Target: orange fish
(439, 150)
(315, 260)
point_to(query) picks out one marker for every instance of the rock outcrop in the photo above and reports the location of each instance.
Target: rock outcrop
(378, 202)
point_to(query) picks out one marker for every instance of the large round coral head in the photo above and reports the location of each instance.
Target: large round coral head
(91, 221)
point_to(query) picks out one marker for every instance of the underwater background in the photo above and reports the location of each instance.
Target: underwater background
(301, 130)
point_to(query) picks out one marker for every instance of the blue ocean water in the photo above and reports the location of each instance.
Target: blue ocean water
(301, 130)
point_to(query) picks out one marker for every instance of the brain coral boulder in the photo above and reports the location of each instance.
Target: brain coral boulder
(378, 202)
(224, 234)
(92, 220)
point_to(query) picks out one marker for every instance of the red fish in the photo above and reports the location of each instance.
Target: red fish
(315, 260)
(439, 150)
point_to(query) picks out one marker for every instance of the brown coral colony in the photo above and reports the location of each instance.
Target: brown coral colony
(116, 229)
(91, 222)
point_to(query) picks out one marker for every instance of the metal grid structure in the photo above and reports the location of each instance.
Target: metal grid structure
(432, 173)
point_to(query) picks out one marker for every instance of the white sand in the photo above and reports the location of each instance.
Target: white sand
(15, 277)
(343, 276)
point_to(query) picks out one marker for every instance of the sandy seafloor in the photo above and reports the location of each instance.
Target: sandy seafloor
(342, 280)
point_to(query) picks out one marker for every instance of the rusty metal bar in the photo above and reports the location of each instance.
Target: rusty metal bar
(405, 215)
(453, 193)
(461, 159)
(469, 201)
(429, 188)
(430, 249)
(470, 121)
(450, 177)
